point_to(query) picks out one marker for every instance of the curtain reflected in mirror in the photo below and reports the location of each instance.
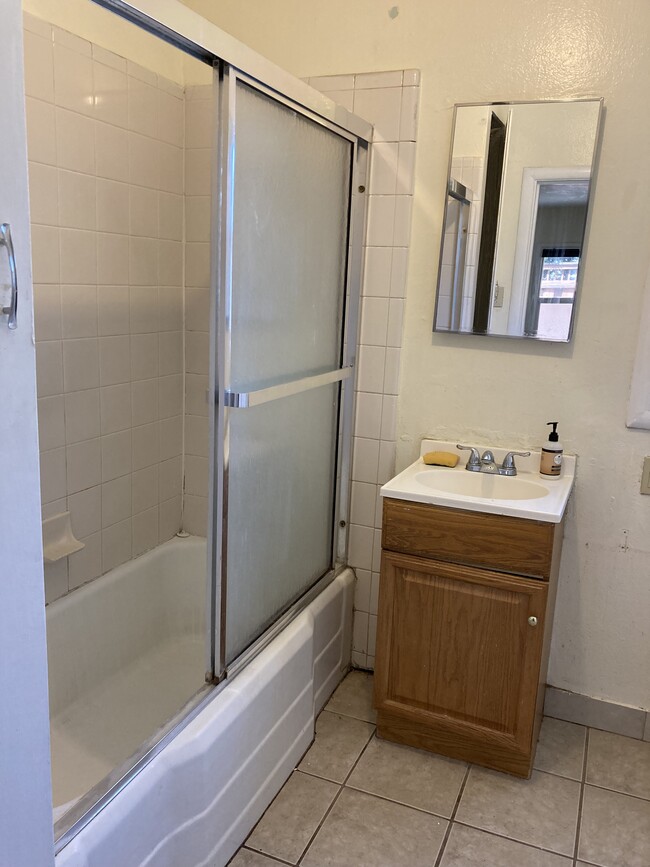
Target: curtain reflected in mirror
(517, 205)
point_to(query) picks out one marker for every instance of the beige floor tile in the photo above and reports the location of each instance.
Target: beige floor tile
(412, 777)
(561, 748)
(246, 858)
(364, 831)
(288, 824)
(468, 847)
(617, 762)
(542, 811)
(615, 829)
(339, 741)
(353, 697)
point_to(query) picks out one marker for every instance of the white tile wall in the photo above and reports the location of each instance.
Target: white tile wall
(105, 141)
(390, 101)
(198, 140)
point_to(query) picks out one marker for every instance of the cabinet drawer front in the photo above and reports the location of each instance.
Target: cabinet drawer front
(455, 647)
(498, 542)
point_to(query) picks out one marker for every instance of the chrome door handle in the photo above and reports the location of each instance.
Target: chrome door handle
(5, 241)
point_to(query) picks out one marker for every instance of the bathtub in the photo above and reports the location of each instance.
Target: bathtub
(125, 653)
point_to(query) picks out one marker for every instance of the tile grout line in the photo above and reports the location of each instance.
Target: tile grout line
(465, 824)
(443, 845)
(336, 797)
(581, 799)
(273, 858)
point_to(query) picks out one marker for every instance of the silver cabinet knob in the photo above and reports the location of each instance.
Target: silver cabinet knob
(532, 621)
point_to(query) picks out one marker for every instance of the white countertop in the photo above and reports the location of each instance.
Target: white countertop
(548, 504)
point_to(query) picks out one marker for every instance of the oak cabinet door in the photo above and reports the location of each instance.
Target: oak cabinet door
(458, 656)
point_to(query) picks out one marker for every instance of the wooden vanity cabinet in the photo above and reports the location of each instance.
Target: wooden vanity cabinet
(465, 612)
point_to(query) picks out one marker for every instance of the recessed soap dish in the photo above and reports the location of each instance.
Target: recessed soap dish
(58, 538)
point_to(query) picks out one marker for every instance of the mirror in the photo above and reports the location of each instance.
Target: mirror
(517, 203)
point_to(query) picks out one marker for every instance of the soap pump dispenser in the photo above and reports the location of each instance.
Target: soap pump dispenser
(550, 464)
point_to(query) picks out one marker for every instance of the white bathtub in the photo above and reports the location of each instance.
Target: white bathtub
(125, 653)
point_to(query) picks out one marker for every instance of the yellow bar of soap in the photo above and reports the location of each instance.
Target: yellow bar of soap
(440, 459)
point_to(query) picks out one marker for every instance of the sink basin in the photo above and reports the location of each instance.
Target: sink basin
(526, 495)
(481, 485)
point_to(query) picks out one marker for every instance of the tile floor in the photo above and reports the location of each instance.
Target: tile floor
(357, 801)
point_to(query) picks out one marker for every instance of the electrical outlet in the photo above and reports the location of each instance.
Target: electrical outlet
(645, 476)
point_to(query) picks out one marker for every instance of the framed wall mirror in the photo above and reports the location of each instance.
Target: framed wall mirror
(518, 192)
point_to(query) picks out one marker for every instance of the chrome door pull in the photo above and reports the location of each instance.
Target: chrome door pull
(5, 241)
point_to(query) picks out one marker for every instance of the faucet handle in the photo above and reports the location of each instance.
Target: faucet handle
(474, 461)
(508, 467)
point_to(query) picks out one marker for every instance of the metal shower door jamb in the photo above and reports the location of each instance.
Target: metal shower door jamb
(223, 157)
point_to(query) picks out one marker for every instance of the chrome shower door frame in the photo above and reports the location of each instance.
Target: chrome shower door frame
(226, 401)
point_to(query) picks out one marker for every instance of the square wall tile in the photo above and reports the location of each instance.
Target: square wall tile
(77, 200)
(196, 399)
(145, 445)
(85, 509)
(78, 311)
(362, 590)
(145, 531)
(360, 547)
(381, 220)
(111, 94)
(78, 256)
(116, 455)
(382, 107)
(43, 194)
(86, 564)
(409, 114)
(49, 368)
(374, 321)
(377, 276)
(81, 364)
(83, 465)
(115, 408)
(114, 360)
(41, 144)
(113, 310)
(143, 396)
(116, 545)
(75, 141)
(73, 80)
(112, 153)
(112, 259)
(371, 363)
(82, 420)
(116, 500)
(56, 580)
(39, 67)
(368, 415)
(365, 460)
(367, 80)
(384, 168)
(46, 255)
(51, 422)
(144, 489)
(170, 479)
(53, 475)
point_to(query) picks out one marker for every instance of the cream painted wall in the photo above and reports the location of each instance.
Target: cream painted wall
(91, 22)
(493, 391)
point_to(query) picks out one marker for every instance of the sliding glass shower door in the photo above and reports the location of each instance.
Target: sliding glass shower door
(286, 205)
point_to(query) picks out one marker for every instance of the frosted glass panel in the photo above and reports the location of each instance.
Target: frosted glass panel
(292, 179)
(280, 508)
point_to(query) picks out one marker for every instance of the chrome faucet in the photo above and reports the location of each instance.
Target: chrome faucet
(485, 463)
